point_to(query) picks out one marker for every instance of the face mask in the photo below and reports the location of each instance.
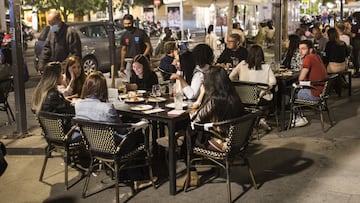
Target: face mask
(54, 28)
(128, 28)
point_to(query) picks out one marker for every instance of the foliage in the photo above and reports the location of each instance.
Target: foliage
(77, 7)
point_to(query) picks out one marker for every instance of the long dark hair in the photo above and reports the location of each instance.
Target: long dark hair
(95, 86)
(210, 29)
(146, 67)
(78, 84)
(219, 90)
(203, 55)
(334, 36)
(255, 57)
(294, 41)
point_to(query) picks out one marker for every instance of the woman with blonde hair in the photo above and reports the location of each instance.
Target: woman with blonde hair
(46, 96)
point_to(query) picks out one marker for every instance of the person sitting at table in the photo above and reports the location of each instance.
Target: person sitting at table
(94, 106)
(46, 96)
(292, 59)
(203, 57)
(170, 62)
(74, 76)
(220, 103)
(254, 69)
(233, 51)
(313, 69)
(142, 77)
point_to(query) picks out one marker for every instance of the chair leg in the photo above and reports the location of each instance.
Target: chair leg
(321, 119)
(291, 118)
(188, 166)
(47, 155)
(66, 158)
(117, 182)
(11, 113)
(251, 173)
(330, 120)
(228, 181)
(91, 167)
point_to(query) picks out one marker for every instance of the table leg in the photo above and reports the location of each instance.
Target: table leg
(172, 159)
(349, 76)
(282, 110)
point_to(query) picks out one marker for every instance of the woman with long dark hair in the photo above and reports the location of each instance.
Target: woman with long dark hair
(203, 57)
(254, 69)
(220, 103)
(142, 77)
(292, 59)
(335, 52)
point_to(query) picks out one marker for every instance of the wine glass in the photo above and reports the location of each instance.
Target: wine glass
(156, 92)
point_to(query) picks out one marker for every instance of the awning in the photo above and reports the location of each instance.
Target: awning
(221, 3)
(354, 5)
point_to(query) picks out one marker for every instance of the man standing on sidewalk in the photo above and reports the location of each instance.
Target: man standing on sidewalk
(133, 42)
(62, 41)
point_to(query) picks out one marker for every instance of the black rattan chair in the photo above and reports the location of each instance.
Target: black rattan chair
(251, 94)
(106, 149)
(57, 133)
(6, 86)
(238, 132)
(320, 105)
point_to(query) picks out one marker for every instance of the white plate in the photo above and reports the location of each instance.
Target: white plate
(156, 99)
(123, 96)
(172, 105)
(141, 107)
(140, 91)
(134, 99)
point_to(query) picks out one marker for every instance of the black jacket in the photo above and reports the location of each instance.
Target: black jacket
(56, 103)
(59, 45)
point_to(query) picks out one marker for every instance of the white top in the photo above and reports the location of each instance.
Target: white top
(192, 91)
(242, 73)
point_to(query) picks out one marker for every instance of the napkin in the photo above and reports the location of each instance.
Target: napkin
(157, 110)
(176, 112)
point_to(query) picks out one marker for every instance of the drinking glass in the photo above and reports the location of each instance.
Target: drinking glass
(156, 92)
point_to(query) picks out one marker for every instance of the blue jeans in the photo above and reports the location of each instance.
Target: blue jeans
(305, 94)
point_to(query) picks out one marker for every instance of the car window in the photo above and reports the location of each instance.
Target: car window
(94, 31)
(44, 33)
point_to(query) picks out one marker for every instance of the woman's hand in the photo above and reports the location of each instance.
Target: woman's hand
(72, 74)
(175, 76)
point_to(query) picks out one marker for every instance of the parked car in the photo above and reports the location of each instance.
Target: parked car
(95, 45)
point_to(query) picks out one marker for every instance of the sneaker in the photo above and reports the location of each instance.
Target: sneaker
(264, 125)
(300, 121)
(140, 184)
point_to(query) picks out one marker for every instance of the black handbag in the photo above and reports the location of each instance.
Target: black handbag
(3, 163)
